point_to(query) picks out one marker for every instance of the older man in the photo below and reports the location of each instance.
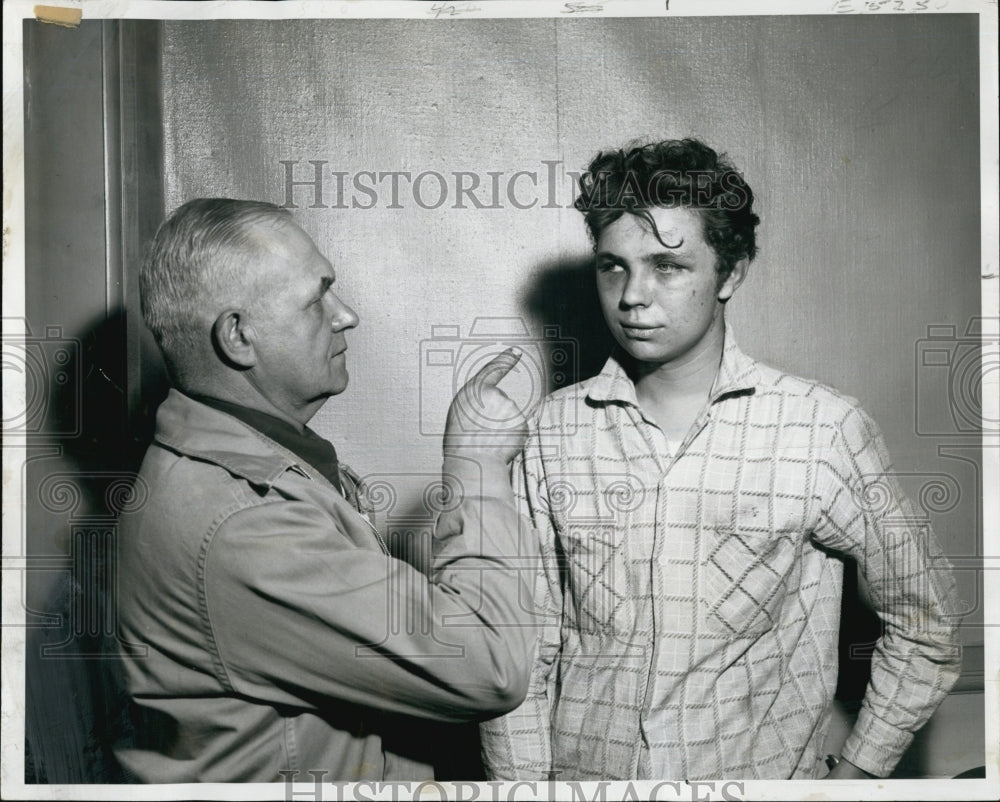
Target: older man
(256, 586)
(695, 508)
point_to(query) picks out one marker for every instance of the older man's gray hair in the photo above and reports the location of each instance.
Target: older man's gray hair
(196, 265)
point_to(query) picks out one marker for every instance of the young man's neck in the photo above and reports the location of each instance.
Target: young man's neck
(693, 376)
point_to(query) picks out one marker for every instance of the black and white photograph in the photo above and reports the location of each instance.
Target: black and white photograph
(497, 400)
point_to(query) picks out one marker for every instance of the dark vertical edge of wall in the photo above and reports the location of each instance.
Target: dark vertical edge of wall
(142, 206)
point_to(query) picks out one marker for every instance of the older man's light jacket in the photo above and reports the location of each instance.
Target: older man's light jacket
(266, 630)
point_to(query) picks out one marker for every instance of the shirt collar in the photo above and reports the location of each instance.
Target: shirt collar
(315, 451)
(196, 430)
(737, 374)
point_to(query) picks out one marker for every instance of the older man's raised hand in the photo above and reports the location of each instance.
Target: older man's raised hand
(482, 419)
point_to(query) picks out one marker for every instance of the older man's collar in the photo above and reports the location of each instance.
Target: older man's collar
(737, 374)
(196, 430)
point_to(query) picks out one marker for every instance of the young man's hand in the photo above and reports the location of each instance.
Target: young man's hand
(482, 418)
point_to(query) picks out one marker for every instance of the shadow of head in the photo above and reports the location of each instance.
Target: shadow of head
(562, 300)
(110, 408)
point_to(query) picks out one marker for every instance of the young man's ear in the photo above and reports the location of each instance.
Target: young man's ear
(233, 339)
(732, 283)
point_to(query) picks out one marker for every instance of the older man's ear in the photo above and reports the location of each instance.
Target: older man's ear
(233, 339)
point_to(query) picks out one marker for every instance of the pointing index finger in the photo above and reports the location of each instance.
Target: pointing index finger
(498, 367)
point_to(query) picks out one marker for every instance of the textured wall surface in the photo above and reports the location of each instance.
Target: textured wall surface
(859, 135)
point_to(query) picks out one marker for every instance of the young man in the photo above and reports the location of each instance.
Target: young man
(694, 507)
(251, 579)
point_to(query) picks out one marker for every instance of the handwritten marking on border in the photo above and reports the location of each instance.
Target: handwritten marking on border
(899, 6)
(451, 9)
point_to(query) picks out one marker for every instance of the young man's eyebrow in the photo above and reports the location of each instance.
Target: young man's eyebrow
(647, 258)
(656, 256)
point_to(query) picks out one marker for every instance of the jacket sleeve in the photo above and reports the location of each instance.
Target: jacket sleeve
(307, 616)
(517, 746)
(916, 661)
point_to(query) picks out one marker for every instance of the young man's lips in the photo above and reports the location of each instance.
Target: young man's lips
(631, 328)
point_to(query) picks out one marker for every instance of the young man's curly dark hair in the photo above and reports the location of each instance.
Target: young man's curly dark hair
(675, 172)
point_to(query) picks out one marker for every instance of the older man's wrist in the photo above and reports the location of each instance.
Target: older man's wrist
(475, 473)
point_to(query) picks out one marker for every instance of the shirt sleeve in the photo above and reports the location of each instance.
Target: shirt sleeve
(308, 617)
(517, 746)
(865, 514)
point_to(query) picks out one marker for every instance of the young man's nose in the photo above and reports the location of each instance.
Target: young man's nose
(637, 289)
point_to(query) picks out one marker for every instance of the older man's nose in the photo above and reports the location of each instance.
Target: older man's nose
(344, 317)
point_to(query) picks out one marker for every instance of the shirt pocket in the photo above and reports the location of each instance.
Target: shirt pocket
(746, 577)
(597, 599)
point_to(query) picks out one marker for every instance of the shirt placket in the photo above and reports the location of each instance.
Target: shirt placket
(657, 448)
(666, 459)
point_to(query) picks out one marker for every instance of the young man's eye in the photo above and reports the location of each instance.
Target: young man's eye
(609, 267)
(667, 267)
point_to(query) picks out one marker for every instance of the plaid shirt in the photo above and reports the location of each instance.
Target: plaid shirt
(691, 596)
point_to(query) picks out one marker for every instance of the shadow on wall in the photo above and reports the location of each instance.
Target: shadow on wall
(74, 694)
(562, 298)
